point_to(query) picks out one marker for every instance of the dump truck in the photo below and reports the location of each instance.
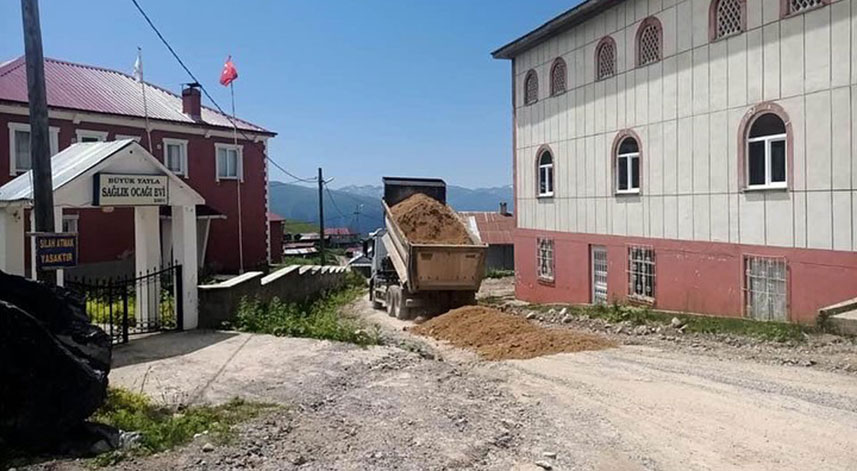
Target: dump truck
(417, 279)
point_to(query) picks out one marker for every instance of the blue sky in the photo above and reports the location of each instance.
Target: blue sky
(362, 88)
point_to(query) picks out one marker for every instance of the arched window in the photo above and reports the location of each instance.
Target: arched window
(545, 173)
(767, 152)
(531, 88)
(727, 17)
(628, 166)
(605, 58)
(558, 76)
(790, 7)
(649, 41)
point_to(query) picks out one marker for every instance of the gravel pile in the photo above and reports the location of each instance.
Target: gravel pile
(499, 336)
(424, 220)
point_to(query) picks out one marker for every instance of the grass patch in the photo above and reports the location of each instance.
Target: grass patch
(772, 331)
(497, 273)
(319, 319)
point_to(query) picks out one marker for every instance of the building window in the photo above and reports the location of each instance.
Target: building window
(20, 159)
(628, 166)
(545, 259)
(84, 135)
(765, 286)
(641, 272)
(726, 18)
(531, 88)
(649, 41)
(559, 73)
(797, 6)
(605, 58)
(175, 156)
(766, 153)
(546, 173)
(69, 223)
(229, 162)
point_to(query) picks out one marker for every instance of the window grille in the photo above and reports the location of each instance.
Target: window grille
(796, 6)
(545, 259)
(730, 18)
(765, 287)
(649, 43)
(558, 77)
(531, 86)
(606, 55)
(641, 272)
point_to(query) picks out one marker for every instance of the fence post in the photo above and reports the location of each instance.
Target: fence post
(179, 302)
(125, 310)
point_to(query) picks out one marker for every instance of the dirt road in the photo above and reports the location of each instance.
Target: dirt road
(415, 404)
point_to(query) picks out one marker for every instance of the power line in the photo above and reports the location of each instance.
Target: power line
(212, 100)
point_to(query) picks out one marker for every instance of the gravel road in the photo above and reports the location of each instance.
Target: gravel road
(416, 404)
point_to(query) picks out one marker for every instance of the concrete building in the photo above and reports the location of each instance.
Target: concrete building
(88, 103)
(695, 155)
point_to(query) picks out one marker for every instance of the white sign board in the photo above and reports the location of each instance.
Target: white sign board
(130, 190)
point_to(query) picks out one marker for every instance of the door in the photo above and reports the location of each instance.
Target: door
(599, 275)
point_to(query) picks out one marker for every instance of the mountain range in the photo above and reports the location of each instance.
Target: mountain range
(359, 206)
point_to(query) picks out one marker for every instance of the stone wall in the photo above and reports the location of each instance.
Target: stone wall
(218, 303)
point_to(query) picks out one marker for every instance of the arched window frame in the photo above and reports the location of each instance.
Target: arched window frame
(606, 41)
(786, 8)
(651, 21)
(529, 98)
(614, 163)
(744, 127)
(545, 173)
(559, 66)
(712, 20)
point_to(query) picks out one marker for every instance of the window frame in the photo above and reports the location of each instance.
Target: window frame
(548, 168)
(647, 22)
(531, 74)
(72, 220)
(559, 62)
(748, 289)
(615, 156)
(743, 138)
(548, 276)
(768, 185)
(14, 127)
(712, 20)
(785, 8)
(633, 273)
(606, 41)
(119, 137)
(183, 144)
(81, 134)
(239, 166)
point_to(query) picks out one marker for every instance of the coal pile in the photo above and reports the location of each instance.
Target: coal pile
(53, 367)
(424, 220)
(499, 336)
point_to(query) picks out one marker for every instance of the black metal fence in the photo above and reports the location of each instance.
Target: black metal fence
(124, 306)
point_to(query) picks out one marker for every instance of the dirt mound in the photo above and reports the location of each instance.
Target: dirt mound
(499, 336)
(424, 220)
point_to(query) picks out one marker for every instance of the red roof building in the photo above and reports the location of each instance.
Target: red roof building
(494, 229)
(88, 103)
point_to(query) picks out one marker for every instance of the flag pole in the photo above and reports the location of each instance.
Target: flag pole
(145, 105)
(240, 171)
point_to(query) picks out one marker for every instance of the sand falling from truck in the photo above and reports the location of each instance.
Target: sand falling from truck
(425, 220)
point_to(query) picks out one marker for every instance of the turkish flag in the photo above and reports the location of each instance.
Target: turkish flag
(229, 73)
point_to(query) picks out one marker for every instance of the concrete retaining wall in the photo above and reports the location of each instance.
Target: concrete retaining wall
(219, 302)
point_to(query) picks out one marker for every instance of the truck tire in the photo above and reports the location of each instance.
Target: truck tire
(389, 300)
(403, 312)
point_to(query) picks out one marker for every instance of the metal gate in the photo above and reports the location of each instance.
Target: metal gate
(599, 275)
(124, 306)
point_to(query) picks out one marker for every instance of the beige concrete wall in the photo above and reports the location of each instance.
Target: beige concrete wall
(687, 109)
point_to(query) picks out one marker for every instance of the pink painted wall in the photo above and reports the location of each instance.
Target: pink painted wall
(695, 277)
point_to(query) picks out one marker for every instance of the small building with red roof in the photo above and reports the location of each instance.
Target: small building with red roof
(495, 229)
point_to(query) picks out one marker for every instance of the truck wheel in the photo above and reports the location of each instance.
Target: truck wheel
(392, 300)
(403, 312)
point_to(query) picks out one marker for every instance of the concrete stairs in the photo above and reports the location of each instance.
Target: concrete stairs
(842, 317)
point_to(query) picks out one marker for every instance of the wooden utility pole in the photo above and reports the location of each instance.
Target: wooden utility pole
(321, 215)
(40, 148)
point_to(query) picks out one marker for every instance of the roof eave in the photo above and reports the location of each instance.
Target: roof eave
(554, 26)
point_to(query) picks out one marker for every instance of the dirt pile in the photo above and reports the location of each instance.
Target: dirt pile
(498, 336)
(425, 220)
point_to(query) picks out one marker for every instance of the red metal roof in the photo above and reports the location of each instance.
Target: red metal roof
(95, 89)
(274, 217)
(337, 231)
(494, 228)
